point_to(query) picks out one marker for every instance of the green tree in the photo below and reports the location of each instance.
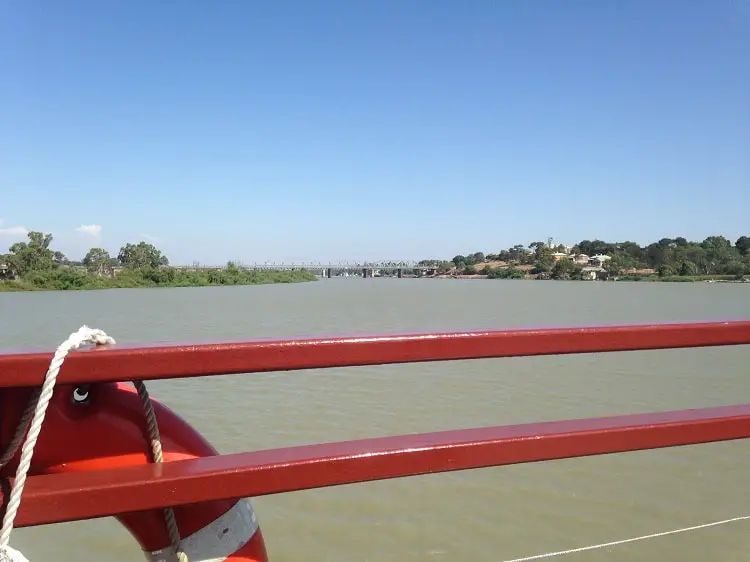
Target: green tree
(544, 261)
(656, 255)
(141, 255)
(34, 255)
(716, 255)
(716, 242)
(444, 266)
(736, 268)
(592, 248)
(517, 254)
(665, 270)
(633, 252)
(688, 268)
(614, 266)
(743, 245)
(99, 262)
(511, 272)
(563, 270)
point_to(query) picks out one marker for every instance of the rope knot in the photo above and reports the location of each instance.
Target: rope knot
(85, 335)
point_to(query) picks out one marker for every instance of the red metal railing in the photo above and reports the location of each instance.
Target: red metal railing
(66, 497)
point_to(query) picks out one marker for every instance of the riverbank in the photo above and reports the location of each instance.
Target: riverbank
(715, 258)
(682, 279)
(69, 279)
(503, 270)
(625, 278)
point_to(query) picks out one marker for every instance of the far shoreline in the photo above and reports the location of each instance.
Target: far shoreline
(622, 279)
(35, 266)
(67, 279)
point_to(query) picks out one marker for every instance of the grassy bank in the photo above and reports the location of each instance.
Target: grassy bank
(678, 278)
(67, 279)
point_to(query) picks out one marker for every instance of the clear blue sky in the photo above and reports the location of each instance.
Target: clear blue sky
(378, 129)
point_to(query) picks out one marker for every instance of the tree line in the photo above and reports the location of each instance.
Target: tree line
(669, 258)
(34, 265)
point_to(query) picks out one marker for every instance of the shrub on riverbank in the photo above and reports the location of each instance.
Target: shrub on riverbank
(511, 272)
(68, 278)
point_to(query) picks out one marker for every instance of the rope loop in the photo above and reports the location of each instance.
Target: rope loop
(32, 420)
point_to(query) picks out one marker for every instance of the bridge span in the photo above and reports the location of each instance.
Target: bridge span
(330, 269)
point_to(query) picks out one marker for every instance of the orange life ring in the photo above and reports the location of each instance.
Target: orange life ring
(111, 418)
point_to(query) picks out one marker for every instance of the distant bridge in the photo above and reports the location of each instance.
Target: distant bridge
(330, 269)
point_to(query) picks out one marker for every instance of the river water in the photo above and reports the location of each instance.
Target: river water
(487, 515)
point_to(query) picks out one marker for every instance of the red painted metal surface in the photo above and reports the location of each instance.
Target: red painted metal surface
(64, 497)
(119, 363)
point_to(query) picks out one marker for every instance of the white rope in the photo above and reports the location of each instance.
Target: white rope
(33, 417)
(633, 539)
(23, 425)
(74, 341)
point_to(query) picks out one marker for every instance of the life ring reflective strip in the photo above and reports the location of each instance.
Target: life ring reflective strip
(233, 536)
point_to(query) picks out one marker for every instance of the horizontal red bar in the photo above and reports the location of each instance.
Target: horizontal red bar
(120, 363)
(84, 495)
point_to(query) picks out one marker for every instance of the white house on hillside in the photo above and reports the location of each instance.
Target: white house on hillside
(599, 260)
(592, 273)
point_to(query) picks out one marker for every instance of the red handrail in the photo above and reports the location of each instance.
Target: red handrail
(83, 495)
(63, 497)
(120, 363)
